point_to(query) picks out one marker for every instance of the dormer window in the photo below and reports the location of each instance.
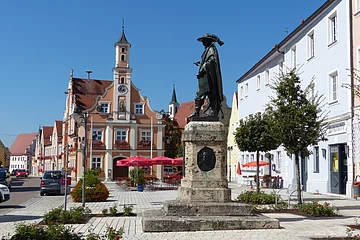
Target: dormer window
(122, 57)
(105, 107)
(139, 108)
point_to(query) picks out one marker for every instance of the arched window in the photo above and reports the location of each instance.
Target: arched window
(123, 57)
(122, 80)
(123, 49)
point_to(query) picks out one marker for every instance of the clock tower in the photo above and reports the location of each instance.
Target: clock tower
(122, 78)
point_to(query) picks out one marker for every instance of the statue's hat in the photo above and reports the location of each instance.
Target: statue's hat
(211, 37)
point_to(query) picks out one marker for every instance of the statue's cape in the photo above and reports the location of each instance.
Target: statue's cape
(211, 64)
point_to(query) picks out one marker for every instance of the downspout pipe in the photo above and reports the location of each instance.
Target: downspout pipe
(352, 83)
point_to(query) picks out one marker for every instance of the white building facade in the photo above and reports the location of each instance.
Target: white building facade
(319, 48)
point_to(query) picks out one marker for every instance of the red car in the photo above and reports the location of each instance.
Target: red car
(174, 177)
(22, 173)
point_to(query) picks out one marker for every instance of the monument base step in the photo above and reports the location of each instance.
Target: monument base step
(157, 221)
(191, 208)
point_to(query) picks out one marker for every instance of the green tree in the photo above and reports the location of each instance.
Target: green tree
(173, 145)
(257, 134)
(299, 117)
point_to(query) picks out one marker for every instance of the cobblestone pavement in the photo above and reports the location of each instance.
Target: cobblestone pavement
(292, 226)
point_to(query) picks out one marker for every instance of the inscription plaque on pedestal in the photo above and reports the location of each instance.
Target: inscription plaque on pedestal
(206, 159)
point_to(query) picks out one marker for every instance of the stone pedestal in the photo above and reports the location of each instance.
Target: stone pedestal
(204, 201)
(198, 185)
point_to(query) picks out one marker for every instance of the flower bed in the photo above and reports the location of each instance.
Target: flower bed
(312, 209)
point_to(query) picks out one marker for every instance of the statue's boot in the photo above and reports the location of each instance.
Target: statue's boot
(198, 104)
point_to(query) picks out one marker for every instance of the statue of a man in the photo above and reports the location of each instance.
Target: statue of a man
(209, 78)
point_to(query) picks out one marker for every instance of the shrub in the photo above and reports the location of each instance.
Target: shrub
(127, 210)
(113, 210)
(104, 211)
(59, 215)
(99, 193)
(59, 232)
(280, 206)
(113, 234)
(137, 176)
(319, 210)
(256, 198)
(37, 232)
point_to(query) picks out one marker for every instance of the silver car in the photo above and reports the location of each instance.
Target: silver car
(50, 182)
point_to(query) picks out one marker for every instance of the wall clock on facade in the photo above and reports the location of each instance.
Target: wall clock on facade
(159, 116)
(206, 159)
(123, 89)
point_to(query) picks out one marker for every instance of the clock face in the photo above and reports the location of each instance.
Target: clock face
(159, 116)
(206, 159)
(122, 89)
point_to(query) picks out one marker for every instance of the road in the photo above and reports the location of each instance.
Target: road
(22, 189)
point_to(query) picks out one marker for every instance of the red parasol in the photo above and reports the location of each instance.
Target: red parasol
(253, 164)
(238, 169)
(134, 161)
(161, 160)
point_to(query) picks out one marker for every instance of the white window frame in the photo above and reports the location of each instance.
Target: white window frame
(246, 89)
(311, 44)
(267, 77)
(98, 137)
(120, 137)
(278, 160)
(96, 160)
(241, 92)
(281, 66)
(258, 79)
(137, 109)
(105, 107)
(312, 89)
(316, 159)
(123, 57)
(332, 28)
(357, 6)
(293, 57)
(333, 76)
(145, 135)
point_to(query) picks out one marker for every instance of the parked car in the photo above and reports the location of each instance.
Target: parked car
(50, 182)
(168, 170)
(22, 173)
(5, 177)
(13, 172)
(4, 193)
(174, 177)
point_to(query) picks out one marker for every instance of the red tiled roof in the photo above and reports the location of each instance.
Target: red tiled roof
(47, 132)
(86, 91)
(21, 143)
(184, 110)
(58, 124)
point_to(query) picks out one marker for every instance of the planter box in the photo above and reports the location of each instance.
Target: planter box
(122, 147)
(98, 147)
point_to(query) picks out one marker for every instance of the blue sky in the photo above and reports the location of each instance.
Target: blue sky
(41, 40)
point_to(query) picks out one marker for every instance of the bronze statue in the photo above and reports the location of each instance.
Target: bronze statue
(209, 80)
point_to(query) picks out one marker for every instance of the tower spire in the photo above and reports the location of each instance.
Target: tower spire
(173, 97)
(122, 39)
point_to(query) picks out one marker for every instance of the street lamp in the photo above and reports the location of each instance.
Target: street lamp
(81, 118)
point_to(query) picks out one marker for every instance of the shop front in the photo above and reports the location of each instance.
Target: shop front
(338, 168)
